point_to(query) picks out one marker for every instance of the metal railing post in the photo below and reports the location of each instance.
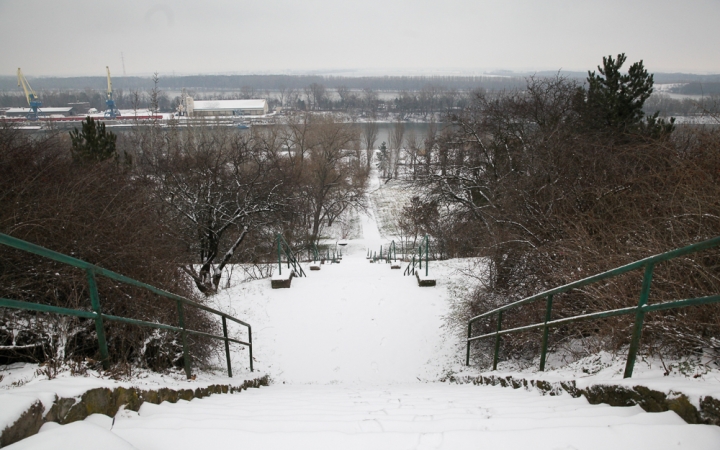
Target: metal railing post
(250, 346)
(639, 319)
(427, 254)
(186, 356)
(497, 341)
(467, 352)
(548, 315)
(227, 347)
(99, 327)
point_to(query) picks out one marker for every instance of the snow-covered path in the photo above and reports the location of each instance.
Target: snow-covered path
(355, 351)
(349, 322)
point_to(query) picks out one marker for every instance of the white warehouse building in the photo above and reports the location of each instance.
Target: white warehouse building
(205, 108)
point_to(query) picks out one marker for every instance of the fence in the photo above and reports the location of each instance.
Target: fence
(92, 271)
(640, 310)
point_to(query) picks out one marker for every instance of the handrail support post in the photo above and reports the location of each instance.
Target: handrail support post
(467, 351)
(99, 327)
(279, 256)
(427, 254)
(497, 341)
(250, 347)
(548, 316)
(227, 347)
(639, 319)
(186, 356)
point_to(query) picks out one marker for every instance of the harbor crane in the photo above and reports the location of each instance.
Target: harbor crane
(30, 95)
(111, 112)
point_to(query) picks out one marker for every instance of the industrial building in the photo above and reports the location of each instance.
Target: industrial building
(65, 111)
(212, 108)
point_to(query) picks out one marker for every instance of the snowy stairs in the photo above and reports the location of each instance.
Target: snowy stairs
(408, 416)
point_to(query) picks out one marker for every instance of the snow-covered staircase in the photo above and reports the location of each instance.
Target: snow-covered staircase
(405, 416)
(354, 351)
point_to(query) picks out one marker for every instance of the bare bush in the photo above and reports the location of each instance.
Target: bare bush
(522, 180)
(99, 213)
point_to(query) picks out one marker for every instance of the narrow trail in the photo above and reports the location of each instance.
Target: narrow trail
(353, 322)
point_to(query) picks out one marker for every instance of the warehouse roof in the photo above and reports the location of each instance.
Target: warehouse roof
(59, 110)
(214, 105)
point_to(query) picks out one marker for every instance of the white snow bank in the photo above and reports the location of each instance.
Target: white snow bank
(694, 379)
(76, 436)
(23, 385)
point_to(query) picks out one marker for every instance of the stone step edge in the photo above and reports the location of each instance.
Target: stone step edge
(648, 399)
(108, 401)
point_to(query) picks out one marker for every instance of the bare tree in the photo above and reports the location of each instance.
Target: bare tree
(370, 101)
(369, 137)
(316, 94)
(396, 143)
(333, 179)
(292, 97)
(412, 150)
(282, 94)
(429, 145)
(218, 187)
(344, 94)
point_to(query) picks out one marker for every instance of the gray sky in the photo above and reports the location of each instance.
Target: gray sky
(81, 37)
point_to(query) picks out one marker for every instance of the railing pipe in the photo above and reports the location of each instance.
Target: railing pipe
(639, 311)
(92, 271)
(609, 274)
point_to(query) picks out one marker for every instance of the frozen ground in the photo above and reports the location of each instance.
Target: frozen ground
(355, 352)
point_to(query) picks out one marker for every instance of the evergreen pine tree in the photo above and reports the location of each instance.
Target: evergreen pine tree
(93, 143)
(614, 101)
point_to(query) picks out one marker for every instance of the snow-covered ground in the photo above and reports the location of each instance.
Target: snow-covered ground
(355, 352)
(349, 322)
(400, 416)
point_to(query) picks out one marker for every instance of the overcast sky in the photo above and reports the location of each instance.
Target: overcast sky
(81, 37)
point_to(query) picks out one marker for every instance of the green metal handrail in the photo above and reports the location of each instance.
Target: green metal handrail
(410, 269)
(315, 253)
(284, 248)
(648, 264)
(92, 271)
(392, 253)
(424, 248)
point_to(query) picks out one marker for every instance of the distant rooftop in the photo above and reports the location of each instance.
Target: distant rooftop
(55, 110)
(229, 105)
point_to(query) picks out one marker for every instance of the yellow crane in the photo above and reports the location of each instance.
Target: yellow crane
(111, 112)
(30, 95)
